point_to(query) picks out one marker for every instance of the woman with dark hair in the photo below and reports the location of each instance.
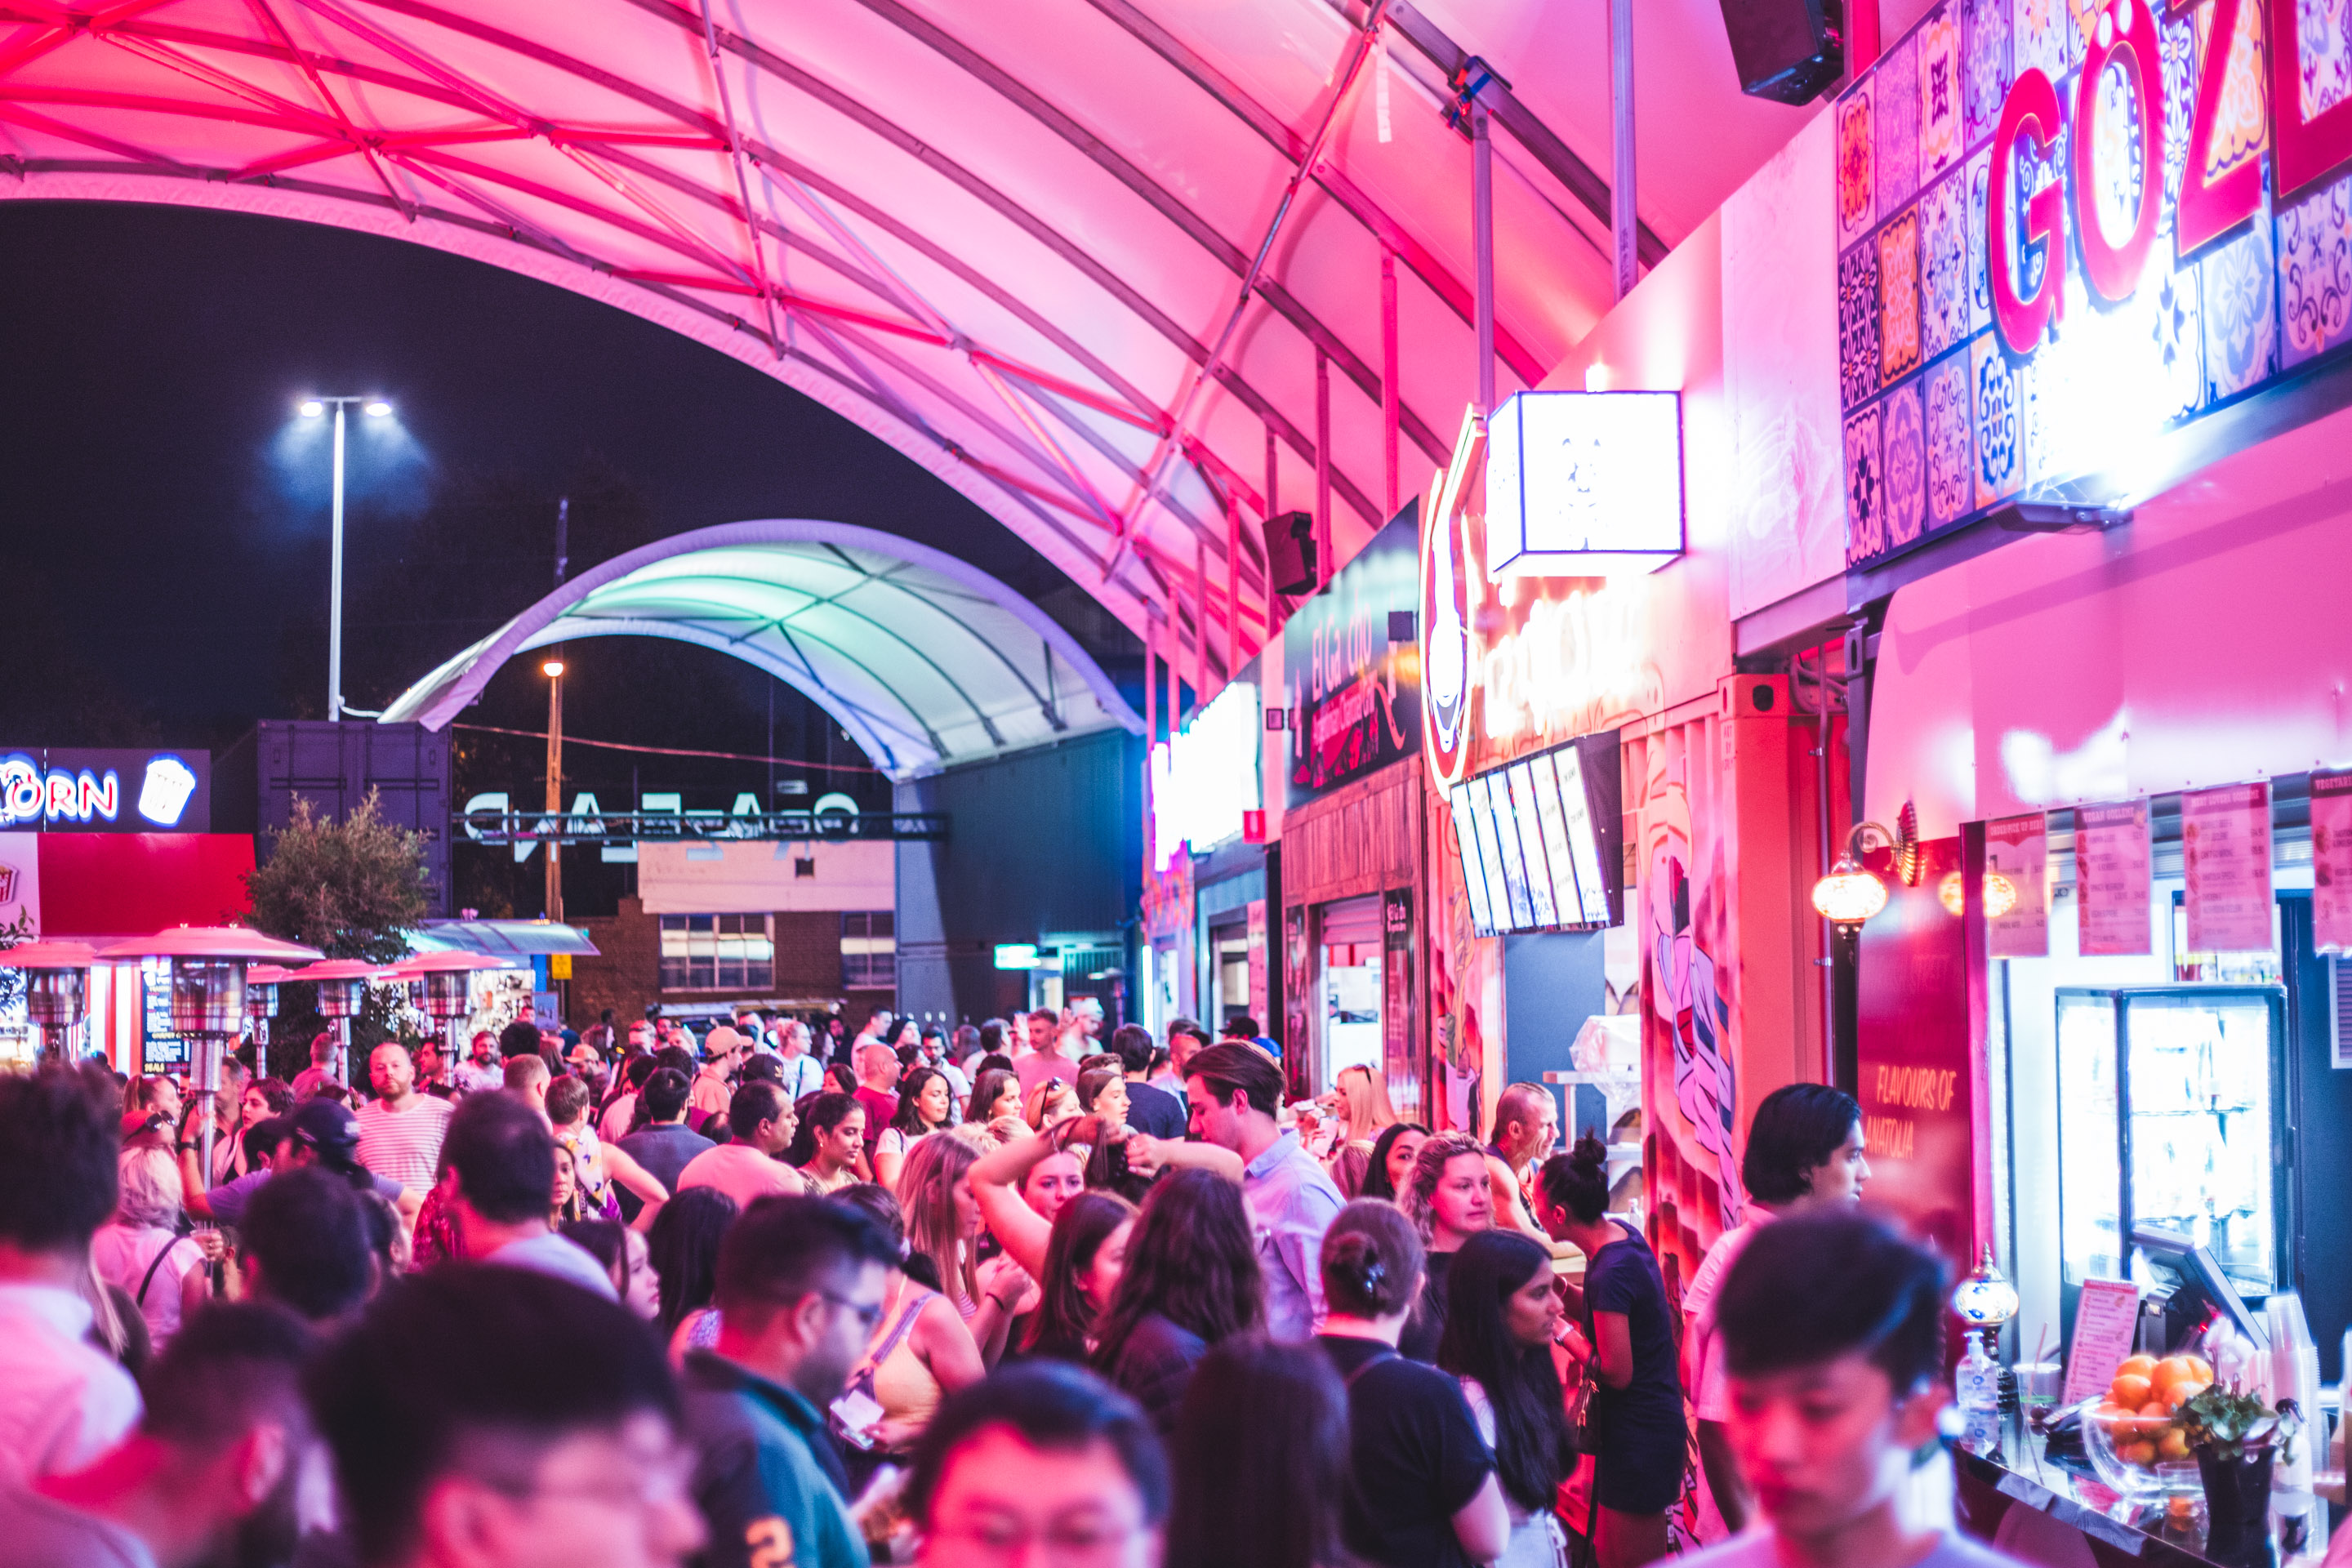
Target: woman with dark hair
(840, 1080)
(1449, 1200)
(829, 1145)
(1260, 1460)
(1075, 1257)
(1502, 1315)
(925, 1105)
(1639, 1437)
(683, 1249)
(1393, 1153)
(1421, 1490)
(1190, 1281)
(1102, 1091)
(1804, 1146)
(996, 1092)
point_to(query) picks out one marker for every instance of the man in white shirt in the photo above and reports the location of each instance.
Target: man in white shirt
(1047, 1060)
(480, 1073)
(750, 1166)
(62, 1404)
(401, 1129)
(802, 1074)
(504, 1156)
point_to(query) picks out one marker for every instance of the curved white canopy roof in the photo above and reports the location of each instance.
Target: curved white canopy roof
(926, 662)
(1012, 237)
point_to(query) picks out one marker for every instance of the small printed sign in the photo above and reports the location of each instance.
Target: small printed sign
(2017, 849)
(2225, 853)
(2112, 868)
(2106, 1320)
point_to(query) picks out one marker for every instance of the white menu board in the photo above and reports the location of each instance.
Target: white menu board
(1474, 873)
(2331, 862)
(1566, 903)
(2112, 871)
(1520, 779)
(1505, 839)
(1584, 842)
(2225, 853)
(2018, 847)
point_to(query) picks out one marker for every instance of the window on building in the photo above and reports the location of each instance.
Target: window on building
(717, 952)
(869, 949)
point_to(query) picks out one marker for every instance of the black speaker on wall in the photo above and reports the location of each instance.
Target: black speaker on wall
(1290, 552)
(1791, 51)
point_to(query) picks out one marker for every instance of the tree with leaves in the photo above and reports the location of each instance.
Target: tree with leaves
(353, 888)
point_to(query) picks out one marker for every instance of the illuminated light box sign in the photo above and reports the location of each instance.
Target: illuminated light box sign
(2065, 232)
(1581, 483)
(1541, 841)
(1205, 783)
(112, 790)
(1354, 694)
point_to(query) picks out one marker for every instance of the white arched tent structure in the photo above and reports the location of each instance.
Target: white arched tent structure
(1116, 270)
(926, 662)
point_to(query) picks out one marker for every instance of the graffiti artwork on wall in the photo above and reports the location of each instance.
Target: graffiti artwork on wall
(1686, 1001)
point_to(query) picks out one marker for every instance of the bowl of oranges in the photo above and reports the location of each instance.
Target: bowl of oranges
(2134, 1434)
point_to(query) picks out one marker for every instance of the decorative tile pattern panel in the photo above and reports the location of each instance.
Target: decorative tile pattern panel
(1898, 299)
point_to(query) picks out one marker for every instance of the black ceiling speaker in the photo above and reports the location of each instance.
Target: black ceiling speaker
(1791, 51)
(1290, 552)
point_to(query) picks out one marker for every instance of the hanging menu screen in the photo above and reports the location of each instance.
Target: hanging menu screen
(1540, 840)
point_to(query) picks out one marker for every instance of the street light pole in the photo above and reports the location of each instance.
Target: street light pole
(311, 408)
(554, 669)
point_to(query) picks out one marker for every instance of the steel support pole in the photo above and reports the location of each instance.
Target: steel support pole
(554, 793)
(1200, 621)
(1481, 244)
(1392, 408)
(1322, 466)
(335, 583)
(1623, 213)
(1150, 724)
(1233, 584)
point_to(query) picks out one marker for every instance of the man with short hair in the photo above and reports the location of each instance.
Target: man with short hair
(433, 1071)
(799, 1291)
(1234, 1093)
(480, 1073)
(504, 1157)
(723, 1051)
(802, 1073)
(321, 1133)
(1184, 1037)
(1832, 1312)
(498, 1418)
(321, 1073)
(212, 1472)
(1149, 1109)
(62, 1403)
(527, 1077)
(304, 1244)
(750, 1166)
(1039, 1452)
(1526, 1127)
(1045, 1058)
(878, 1070)
(401, 1129)
(665, 1145)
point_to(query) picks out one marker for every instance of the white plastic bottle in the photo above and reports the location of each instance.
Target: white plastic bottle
(1977, 1391)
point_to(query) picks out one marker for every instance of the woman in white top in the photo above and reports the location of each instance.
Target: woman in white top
(140, 1250)
(925, 1102)
(1502, 1316)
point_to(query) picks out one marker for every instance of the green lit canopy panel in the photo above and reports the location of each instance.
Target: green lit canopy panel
(926, 662)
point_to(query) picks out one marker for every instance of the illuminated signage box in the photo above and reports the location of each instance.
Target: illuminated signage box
(1582, 483)
(2066, 232)
(62, 789)
(1204, 783)
(1353, 691)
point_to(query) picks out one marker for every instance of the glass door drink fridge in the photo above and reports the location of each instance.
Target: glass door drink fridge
(2171, 1113)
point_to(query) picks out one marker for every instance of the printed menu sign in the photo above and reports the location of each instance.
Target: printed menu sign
(2331, 862)
(2225, 851)
(2018, 848)
(2112, 868)
(2105, 1322)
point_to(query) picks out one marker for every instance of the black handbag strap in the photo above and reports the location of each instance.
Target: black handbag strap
(139, 1301)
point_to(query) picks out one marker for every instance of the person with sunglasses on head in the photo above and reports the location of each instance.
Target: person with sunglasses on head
(801, 1289)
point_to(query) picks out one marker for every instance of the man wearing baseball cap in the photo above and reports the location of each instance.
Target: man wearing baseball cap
(722, 1052)
(321, 1133)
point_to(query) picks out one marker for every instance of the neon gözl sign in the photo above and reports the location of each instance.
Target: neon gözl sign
(2055, 243)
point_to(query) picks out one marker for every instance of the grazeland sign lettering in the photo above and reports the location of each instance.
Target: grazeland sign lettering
(2066, 229)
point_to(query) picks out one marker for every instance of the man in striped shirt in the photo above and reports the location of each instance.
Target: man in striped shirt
(399, 1130)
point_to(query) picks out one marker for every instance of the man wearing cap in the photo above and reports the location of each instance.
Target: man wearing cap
(323, 1132)
(722, 1051)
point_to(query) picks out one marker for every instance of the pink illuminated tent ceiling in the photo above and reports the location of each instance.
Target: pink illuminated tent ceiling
(1006, 236)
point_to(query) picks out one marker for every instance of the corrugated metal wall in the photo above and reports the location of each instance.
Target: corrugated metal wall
(335, 764)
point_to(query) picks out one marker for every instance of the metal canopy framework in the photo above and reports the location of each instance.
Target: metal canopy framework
(1114, 269)
(924, 661)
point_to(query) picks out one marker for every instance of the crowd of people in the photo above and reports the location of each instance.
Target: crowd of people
(1015, 1293)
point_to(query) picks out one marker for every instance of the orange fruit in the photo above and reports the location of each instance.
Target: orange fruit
(2183, 1392)
(2173, 1373)
(2173, 1444)
(2129, 1389)
(2203, 1368)
(2140, 1454)
(2137, 1366)
(2156, 1408)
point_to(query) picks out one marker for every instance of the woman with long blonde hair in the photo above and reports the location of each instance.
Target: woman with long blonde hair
(1364, 1108)
(943, 1224)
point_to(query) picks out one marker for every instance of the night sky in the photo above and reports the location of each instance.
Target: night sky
(164, 514)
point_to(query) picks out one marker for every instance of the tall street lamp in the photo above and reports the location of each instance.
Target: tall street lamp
(312, 407)
(553, 670)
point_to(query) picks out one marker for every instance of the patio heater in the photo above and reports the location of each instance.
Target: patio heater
(261, 982)
(343, 991)
(441, 987)
(56, 986)
(208, 970)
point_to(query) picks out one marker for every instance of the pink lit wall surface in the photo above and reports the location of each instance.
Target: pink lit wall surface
(2204, 642)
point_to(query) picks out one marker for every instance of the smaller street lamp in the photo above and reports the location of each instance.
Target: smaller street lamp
(312, 408)
(57, 985)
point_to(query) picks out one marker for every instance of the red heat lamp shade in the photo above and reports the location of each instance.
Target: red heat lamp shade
(1848, 895)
